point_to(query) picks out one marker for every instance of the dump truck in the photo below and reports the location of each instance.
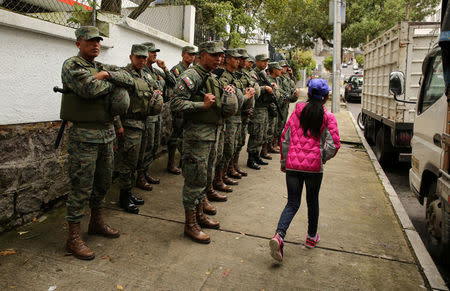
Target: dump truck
(389, 124)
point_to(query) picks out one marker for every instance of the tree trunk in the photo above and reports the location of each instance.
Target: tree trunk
(112, 6)
(140, 9)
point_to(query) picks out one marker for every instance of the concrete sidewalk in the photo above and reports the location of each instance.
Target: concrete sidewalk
(362, 244)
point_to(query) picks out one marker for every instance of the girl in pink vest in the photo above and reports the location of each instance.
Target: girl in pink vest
(310, 138)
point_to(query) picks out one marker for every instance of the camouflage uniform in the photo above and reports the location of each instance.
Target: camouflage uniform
(287, 96)
(259, 121)
(152, 132)
(177, 119)
(134, 126)
(90, 144)
(273, 115)
(200, 139)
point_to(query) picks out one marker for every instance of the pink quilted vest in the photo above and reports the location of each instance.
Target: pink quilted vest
(308, 154)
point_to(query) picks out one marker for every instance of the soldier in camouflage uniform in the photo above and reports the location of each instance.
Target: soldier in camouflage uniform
(145, 100)
(152, 133)
(289, 94)
(232, 125)
(259, 121)
(89, 89)
(198, 96)
(274, 72)
(188, 56)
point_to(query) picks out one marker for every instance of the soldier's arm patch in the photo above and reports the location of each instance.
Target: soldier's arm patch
(188, 82)
(176, 72)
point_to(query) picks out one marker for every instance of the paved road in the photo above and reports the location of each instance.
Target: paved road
(399, 178)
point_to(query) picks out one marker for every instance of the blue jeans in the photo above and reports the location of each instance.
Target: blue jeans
(294, 182)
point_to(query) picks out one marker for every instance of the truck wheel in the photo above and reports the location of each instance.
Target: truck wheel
(368, 127)
(383, 147)
(438, 228)
(360, 121)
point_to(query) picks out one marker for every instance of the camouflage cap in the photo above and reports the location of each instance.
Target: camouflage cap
(139, 50)
(232, 53)
(262, 57)
(243, 53)
(251, 59)
(151, 47)
(188, 49)
(87, 33)
(274, 65)
(211, 47)
(284, 63)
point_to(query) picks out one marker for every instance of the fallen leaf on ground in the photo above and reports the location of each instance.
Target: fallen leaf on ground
(84, 267)
(52, 288)
(34, 219)
(226, 273)
(119, 287)
(8, 252)
(242, 261)
(42, 218)
(208, 272)
(22, 232)
(12, 287)
(262, 207)
(243, 233)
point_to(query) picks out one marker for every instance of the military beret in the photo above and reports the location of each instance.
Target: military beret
(151, 47)
(243, 53)
(274, 65)
(87, 33)
(211, 47)
(284, 63)
(188, 49)
(139, 50)
(232, 53)
(262, 57)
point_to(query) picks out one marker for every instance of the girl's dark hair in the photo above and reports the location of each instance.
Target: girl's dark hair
(311, 117)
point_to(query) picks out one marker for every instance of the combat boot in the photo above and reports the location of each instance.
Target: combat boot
(126, 203)
(75, 244)
(236, 167)
(193, 230)
(218, 183)
(141, 182)
(227, 180)
(232, 171)
(214, 195)
(205, 221)
(264, 152)
(98, 226)
(150, 179)
(274, 147)
(251, 162)
(208, 208)
(260, 161)
(171, 168)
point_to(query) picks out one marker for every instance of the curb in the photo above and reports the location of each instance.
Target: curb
(424, 259)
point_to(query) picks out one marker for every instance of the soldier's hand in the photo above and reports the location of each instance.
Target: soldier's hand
(120, 132)
(297, 92)
(157, 92)
(161, 64)
(249, 92)
(103, 75)
(275, 86)
(269, 89)
(229, 89)
(209, 100)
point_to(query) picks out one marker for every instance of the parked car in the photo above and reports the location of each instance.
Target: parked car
(355, 67)
(353, 88)
(344, 65)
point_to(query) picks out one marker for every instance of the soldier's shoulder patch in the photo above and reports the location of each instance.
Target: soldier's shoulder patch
(188, 81)
(176, 72)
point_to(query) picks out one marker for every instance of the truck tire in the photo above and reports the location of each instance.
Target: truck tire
(384, 150)
(360, 121)
(438, 227)
(368, 128)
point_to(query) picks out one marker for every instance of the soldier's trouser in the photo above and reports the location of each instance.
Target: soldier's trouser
(150, 142)
(282, 121)
(220, 144)
(177, 132)
(241, 136)
(257, 128)
(90, 172)
(199, 159)
(230, 143)
(129, 148)
(273, 122)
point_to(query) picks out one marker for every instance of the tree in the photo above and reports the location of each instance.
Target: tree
(328, 63)
(305, 60)
(300, 23)
(360, 60)
(112, 6)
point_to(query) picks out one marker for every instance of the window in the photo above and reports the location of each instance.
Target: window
(434, 86)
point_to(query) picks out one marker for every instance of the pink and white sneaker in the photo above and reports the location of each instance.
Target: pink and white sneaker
(312, 241)
(276, 245)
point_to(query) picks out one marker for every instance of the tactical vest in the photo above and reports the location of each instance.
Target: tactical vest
(144, 102)
(212, 115)
(77, 109)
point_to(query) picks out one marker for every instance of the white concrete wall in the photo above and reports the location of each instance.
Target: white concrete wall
(257, 49)
(169, 19)
(32, 52)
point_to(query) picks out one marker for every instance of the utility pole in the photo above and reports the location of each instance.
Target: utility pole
(335, 106)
